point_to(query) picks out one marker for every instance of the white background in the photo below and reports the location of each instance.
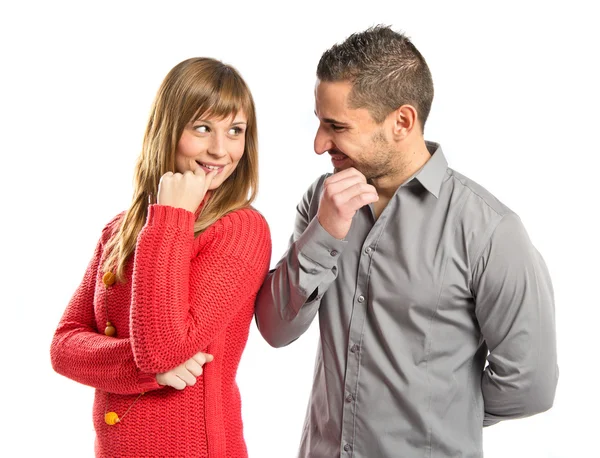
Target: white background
(515, 110)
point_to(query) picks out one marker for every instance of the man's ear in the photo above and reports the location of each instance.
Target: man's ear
(404, 120)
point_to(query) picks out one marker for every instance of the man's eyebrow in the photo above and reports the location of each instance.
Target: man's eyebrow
(331, 120)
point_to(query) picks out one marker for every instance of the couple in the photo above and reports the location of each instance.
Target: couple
(419, 277)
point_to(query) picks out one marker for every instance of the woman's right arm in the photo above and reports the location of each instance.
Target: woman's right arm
(81, 353)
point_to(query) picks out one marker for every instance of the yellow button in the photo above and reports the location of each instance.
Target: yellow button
(110, 330)
(111, 418)
(109, 278)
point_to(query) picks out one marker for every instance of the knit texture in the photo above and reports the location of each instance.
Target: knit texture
(182, 295)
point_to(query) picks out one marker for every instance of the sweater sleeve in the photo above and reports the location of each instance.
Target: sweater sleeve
(80, 353)
(184, 296)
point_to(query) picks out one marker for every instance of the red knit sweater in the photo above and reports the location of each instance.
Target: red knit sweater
(182, 295)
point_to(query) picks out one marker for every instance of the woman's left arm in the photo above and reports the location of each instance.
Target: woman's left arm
(181, 301)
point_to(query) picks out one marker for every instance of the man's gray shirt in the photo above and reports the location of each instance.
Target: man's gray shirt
(409, 305)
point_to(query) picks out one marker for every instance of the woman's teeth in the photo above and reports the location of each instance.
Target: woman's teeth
(211, 167)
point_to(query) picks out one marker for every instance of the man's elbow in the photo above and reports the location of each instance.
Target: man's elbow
(275, 325)
(543, 394)
(538, 404)
(279, 343)
(540, 395)
(274, 338)
(508, 401)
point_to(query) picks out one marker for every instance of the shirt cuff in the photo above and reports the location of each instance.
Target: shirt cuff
(319, 245)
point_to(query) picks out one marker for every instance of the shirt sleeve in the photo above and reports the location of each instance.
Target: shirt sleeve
(183, 297)
(515, 311)
(291, 295)
(79, 352)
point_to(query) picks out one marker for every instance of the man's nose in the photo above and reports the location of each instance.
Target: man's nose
(323, 141)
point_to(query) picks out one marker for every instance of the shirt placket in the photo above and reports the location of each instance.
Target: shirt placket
(355, 347)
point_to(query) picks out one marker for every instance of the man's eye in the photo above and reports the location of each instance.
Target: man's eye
(336, 128)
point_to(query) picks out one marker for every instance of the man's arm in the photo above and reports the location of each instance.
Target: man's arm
(515, 309)
(290, 297)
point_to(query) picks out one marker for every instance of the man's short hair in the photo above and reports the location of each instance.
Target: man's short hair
(385, 69)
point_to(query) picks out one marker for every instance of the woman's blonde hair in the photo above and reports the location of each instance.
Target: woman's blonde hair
(193, 88)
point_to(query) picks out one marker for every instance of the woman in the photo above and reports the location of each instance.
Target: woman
(172, 281)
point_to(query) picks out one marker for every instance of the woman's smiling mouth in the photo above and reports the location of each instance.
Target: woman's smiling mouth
(211, 167)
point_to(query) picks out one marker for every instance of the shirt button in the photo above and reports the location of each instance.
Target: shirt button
(368, 250)
(347, 448)
(361, 298)
(354, 348)
(109, 279)
(333, 252)
(349, 398)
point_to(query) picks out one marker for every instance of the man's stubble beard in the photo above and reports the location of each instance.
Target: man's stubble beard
(382, 162)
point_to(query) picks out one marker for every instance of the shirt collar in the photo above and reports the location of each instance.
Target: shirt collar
(431, 175)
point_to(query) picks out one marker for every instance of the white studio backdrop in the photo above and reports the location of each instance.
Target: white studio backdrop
(515, 110)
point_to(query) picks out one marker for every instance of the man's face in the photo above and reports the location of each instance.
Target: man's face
(350, 136)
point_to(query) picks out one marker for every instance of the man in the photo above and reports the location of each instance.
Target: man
(418, 275)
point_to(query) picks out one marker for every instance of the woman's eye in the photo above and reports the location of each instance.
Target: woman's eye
(235, 131)
(201, 129)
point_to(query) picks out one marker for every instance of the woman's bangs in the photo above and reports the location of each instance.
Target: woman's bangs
(226, 99)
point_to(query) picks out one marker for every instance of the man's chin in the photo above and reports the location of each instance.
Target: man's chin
(347, 166)
(340, 168)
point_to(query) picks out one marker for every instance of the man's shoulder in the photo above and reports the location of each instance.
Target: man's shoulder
(476, 194)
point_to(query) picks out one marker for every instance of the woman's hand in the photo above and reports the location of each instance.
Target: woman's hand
(185, 374)
(184, 190)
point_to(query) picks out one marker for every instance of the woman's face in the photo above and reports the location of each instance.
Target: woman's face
(212, 144)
